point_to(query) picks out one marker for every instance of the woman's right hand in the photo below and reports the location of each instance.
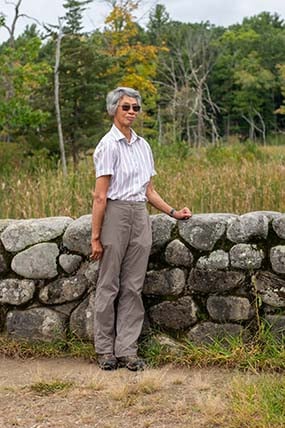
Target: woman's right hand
(97, 249)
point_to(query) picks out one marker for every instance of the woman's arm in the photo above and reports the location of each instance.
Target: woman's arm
(98, 211)
(156, 201)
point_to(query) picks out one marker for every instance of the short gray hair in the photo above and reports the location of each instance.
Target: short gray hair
(113, 98)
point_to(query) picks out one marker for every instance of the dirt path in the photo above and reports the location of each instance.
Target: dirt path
(65, 393)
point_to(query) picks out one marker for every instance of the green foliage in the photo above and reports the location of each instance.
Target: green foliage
(22, 74)
(73, 17)
(180, 150)
(237, 153)
(200, 83)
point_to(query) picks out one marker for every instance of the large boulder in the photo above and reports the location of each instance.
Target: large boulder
(177, 254)
(229, 308)
(16, 291)
(271, 215)
(271, 288)
(90, 271)
(69, 262)
(215, 261)
(36, 324)
(37, 262)
(278, 225)
(77, 236)
(206, 333)
(212, 281)
(246, 256)
(174, 315)
(82, 318)
(202, 231)
(165, 282)
(162, 228)
(5, 223)
(22, 234)
(277, 258)
(63, 290)
(247, 226)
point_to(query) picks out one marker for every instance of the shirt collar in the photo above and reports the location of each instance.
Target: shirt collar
(120, 136)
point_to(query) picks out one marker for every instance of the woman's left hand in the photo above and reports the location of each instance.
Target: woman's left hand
(183, 214)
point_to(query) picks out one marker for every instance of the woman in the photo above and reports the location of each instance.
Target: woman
(121, 232)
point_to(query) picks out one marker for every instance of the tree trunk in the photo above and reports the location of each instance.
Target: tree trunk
(57, 102)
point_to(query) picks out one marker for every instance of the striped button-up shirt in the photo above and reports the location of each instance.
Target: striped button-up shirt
(130, 165)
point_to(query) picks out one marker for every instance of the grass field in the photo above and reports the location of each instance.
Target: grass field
(234, 178)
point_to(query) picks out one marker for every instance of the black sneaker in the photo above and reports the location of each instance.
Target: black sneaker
(107, 362)
(132, 363)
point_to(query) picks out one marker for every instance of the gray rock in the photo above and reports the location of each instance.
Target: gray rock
(77, 236)
(174, 315)
(277, 326)
(36, 324)
(207, 333)
(20, 235)
(70, 262)
(277, 258)
(82, 319)
(202, 231)
(162, 227)
(65, 309)
(231, 308)
(16, 291)
(5, 223)
(90, 270)
(278, 225)
(177, 254)
(216, 260)
(63, 290)
(271, 288)
(37, 262)
(165, 282)
(212, 281)
(247, 226)
(271, 215)
(173, 346)
(246, 256)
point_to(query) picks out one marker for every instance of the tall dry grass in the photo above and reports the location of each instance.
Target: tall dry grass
(235, 179)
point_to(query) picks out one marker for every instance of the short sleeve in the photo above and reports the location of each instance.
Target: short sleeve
(104, 159)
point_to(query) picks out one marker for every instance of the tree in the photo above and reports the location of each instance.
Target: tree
(82, 69)
(244, 80)
(21, 74)
(134, 63)
(157, 25)
(19, 84)
(57, 101)
(183, 78)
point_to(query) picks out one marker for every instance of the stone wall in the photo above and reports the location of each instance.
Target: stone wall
(208, 277)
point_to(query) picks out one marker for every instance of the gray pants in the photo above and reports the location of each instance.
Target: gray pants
(119, 312)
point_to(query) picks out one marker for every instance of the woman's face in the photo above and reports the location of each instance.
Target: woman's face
(125, 114)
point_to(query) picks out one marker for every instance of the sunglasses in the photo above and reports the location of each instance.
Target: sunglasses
(127, 107)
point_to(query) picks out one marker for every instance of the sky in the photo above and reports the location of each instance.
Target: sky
(217, 12)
